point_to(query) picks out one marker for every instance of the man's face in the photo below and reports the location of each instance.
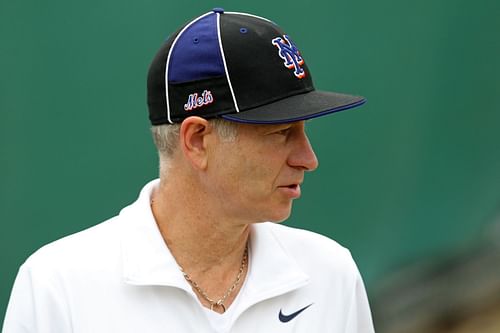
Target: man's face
(259, 174)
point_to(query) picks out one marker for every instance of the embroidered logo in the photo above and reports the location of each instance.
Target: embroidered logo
(290, 54)
(195, 101)
(286, 318)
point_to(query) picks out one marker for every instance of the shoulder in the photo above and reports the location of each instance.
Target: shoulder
(92, 247)
(314, 252)
(96, 251)
(308, 241)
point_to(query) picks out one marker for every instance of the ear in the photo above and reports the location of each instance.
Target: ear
(194, 136)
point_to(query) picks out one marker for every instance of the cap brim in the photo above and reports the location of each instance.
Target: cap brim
(295, 108)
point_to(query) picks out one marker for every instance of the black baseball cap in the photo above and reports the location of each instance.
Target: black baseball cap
(239, 67)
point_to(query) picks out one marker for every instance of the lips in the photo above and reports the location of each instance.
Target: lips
(291, 190)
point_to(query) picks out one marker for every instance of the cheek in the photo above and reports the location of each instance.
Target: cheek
(257, 179)
(248, 169)
(253, 175)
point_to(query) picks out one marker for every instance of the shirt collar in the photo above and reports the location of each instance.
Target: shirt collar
(148, 261)
(272, 271)
(146, 258)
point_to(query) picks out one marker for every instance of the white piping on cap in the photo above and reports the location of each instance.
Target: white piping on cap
(168, 60)
(225, 65)
(251, 15)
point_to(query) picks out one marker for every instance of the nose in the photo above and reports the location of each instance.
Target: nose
(302, 155)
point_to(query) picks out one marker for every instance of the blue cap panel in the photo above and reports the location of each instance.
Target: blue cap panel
(196, 54)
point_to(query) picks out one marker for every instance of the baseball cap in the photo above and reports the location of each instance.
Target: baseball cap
(239, 67)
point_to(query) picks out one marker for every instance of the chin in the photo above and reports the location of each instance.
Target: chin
(279, 217)
(278, 221)
(276, 213)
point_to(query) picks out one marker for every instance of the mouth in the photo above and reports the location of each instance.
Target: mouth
(291, 190)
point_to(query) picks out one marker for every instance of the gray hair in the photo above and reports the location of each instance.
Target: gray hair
(166, 138)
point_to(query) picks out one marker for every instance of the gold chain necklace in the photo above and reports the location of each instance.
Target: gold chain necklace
(220, 301)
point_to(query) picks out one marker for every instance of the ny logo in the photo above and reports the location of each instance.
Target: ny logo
(290, 54)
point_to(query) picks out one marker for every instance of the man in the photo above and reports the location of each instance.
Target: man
(228, 95)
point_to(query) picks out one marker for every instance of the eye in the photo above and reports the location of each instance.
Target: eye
(283, 131)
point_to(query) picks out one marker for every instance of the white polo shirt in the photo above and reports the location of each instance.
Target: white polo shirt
(119, 276)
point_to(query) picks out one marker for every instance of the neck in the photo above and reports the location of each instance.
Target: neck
(209, 248)
(199, 240)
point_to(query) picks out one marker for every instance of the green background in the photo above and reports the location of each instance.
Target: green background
(412, 174)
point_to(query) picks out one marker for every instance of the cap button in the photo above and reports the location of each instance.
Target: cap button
(218, 10)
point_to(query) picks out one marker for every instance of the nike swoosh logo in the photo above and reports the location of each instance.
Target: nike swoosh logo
(286, 318)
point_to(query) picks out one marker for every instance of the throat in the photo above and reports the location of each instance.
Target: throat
(211, 251)
(216, 294)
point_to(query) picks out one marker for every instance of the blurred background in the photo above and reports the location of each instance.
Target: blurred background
(410, 182)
